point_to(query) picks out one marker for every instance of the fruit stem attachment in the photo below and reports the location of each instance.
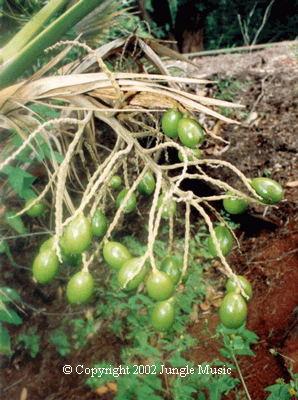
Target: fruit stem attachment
(85, 268)
(239, 287)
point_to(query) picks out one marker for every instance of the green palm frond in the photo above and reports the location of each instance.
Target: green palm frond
(94, 26)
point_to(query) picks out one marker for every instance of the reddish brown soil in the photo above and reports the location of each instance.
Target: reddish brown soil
(269, 244)
(270, 262)
(268, 258)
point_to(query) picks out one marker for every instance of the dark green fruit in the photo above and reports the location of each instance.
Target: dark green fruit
(45, 266)
(115, 182)
(37, 209)
(170, 207)
(126, 278)
(190, 133)
(224, 238)
(171, 268)
(147, 184)
(233, 311)
(80, 288)
(77, 235)
(116, 254)
(163, 316)
(234, 205)
(191, 153)
(159, 285)
(130, 204)
(232, 287)
(99, 223)
(169, 123)
(268, 189)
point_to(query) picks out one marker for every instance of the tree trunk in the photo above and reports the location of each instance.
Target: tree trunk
(188, 29)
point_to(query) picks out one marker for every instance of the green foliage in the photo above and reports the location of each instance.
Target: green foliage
(173, 5)
(130, 383)
(31, 340)
(15, 222)
(81, 329)
(7, 315)
(8, 294)
(72, 334)
(134, 307)
(228, 23)
(5, 347)
(227, 88)
(219, 384)
(130, 315)
(19, 179)
(60, 340)
(236, 341)
(279, 391)
(39, 39)
(282, 390)
(139, 387)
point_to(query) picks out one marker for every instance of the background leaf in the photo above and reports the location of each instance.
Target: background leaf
(10, 316)
(9, 294)
(4, 341)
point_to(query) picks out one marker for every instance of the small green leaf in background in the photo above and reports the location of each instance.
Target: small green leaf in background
(44, 111)
(278, 392)
(221, 384)
(59, 339)
(24, 154)
(3, 246)
(173, 5)
(96, 381)
(47, 152)
(21, 181)
(4, 341)
(15, 222)
(177, 361)
(10, 316)
(31, 340)
(182, 390)
(8, 294)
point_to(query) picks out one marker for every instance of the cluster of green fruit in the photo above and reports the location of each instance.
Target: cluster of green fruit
(233, 309)
(189, 131)
(160, 284)
(269, 190)
(76, 238)
(145, 187)
(271, 193)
